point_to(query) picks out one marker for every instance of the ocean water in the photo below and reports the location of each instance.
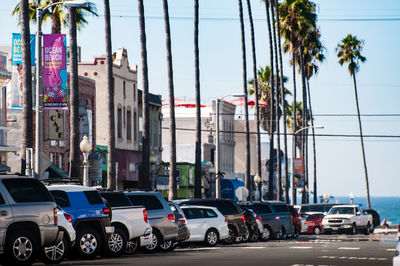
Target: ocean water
(387, 207)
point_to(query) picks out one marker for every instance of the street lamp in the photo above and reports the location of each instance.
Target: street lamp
(85, 147)
(39, 76)
(217, 168)
(351, 198)
(326, 197)
(293, 198)
(258, 182)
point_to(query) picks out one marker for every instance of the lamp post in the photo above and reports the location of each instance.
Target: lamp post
(85, 147)
(326, 197)
(217, 167)
(39, 77)
(293, 198)
(258, 182)
(351, 198)
(212, 178)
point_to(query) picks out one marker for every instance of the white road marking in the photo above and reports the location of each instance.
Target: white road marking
(301, 247)
(253, 247)
(391, 249)
(342, 258)
(382, 258)
(349, 248)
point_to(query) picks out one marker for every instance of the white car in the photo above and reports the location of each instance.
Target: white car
(396, 260)
(206, 224)
(57, 253)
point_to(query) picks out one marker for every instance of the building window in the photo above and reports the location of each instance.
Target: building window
(119, 123)
(134, 91)
(134, 126)
(60, 160)
(128, 125)
(51, 157)
(124, 88)
(124, 120)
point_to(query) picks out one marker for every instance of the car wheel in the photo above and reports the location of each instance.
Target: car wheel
(88, 243)
(246, 237)
(54, 254)
(231, 236)
(296, 234)
(116, 243)
(254, 235)
(21, 248)
(367, 229)
(211, 238)
(317, 230)
(353, 229)
(155, 243)
(266, 234)
(131, 246)
(167, 245)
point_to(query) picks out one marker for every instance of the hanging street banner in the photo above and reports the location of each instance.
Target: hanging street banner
(298, 167)
(15, 99)
(55, 76)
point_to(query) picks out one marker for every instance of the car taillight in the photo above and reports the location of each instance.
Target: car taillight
(243, 218)
(171, 217)
(106, 210)
(145, 217)
(226, 221)
(68, 217)
(277, 218)
(259, 219)
(55, 216)
(183, 220)
(399, 228)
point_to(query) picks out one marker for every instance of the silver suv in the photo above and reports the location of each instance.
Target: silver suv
(28, 219)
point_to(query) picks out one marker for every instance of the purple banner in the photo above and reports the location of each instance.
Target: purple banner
(55, 76)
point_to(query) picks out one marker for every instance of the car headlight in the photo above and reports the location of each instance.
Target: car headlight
(348, 221)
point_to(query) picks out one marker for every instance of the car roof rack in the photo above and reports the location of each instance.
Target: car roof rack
(62, 180)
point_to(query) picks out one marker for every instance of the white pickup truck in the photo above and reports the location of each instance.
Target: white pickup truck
(346, 218)
(131, 224)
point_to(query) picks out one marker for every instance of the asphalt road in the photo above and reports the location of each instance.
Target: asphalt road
(306, 250)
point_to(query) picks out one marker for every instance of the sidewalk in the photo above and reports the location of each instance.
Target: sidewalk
(382, 230)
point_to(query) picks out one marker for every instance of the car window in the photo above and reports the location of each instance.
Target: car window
(194, 213)
(210, 213)
(27, 190)
(93, 197)
(316, 208)
(149, 201)
(281, 207)
(342, 210)
(173, 208)
(226, 207)
(261, 208)
(116, 199)
(61, 198)
(2, 202)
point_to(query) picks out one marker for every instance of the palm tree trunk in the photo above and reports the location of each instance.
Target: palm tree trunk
(294, 138)
(315, 199)
(277, 119)
(172, 195)
(362, 141)
(304, 138)
(74, 155)
(246, 106)
(55, 20)
(145, 176)
(272, 104)
(258, 145)
(197, 175)
(283, 104)
(111, 182)
(27, 114)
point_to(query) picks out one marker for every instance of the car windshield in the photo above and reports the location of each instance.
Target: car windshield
(342, 210)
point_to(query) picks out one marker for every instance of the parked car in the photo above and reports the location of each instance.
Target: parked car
(206, 224)
(181, 221)
(396, 259)
(346, 218)
(311, 224)
(314, 208)
(253, 223)
(57, 253)
(232, 212)
(376, 219)
(130, 223)
(90, 217)
(161, 218)
(296, 221)
(28, 219)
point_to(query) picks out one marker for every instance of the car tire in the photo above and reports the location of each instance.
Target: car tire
(295, 234)
(317, 230)
(88, 243)
(367, 229)
(155, 243)
(116, 243)
(353, 229)
(266, 234)
(21, 248)
(255, 234)
(232, 236)
(211, 238)
(168, 245)
(131, 246)
(56, 253)
(246, 237)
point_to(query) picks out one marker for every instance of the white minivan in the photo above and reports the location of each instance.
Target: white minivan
(206, 224)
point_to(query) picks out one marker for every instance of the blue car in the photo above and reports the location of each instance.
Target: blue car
(90, 216)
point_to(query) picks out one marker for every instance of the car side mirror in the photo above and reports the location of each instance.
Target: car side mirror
(358, 213)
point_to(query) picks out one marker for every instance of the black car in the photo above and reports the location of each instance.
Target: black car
(253, 229)
(231, 210)
(376, 219)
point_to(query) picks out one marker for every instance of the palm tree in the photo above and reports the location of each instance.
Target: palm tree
(74, 155)
(27, 115)
(197, 175)
(349, 51)
(145, 176)
(246, 106)
(58, 14)
(111, 182)
(271, 106)
(258, 139)
(172, 195)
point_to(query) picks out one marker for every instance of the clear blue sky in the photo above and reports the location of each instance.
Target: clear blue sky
(340, 169)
